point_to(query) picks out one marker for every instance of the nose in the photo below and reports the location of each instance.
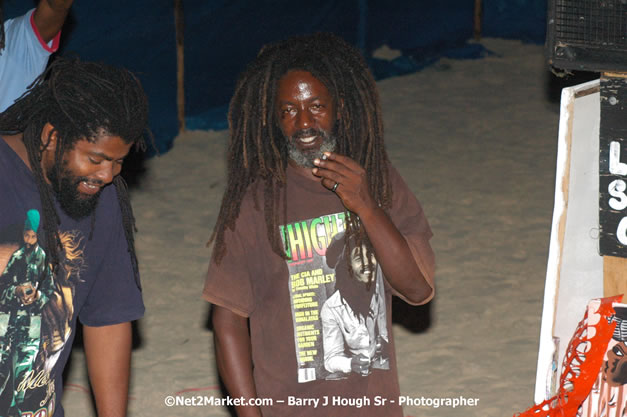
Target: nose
(304, 119)
(107, 173)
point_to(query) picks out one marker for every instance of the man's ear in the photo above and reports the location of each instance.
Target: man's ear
(49, 137)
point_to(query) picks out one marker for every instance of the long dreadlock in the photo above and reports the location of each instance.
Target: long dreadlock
(258, 149)
(82, 101)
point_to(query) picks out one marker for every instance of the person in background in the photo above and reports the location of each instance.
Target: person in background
(306, 144)
(62, 146)
(26, 43)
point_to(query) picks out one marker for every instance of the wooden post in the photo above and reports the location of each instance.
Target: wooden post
(477, 23)
(614, 276)
(613, 129)
(180, 67)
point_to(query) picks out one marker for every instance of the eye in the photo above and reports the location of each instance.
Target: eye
(95, 161)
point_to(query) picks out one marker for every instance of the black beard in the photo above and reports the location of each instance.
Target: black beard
(306, 158)
(65, 187)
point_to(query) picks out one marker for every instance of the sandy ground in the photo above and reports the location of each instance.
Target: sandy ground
(476, 141)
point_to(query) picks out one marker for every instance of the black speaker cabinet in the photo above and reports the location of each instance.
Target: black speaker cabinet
(587, 35)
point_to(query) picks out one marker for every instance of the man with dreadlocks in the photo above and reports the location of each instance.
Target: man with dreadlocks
(26, 287)
(354, 331)
(61, 146)
(306, 161)
(26, 43)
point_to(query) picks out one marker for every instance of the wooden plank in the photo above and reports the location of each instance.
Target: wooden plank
(614, 276)
(180, 63)
(608, 74)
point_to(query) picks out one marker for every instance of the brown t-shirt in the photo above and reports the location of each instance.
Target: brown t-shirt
(301, 344)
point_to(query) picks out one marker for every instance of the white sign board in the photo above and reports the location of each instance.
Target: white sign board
(574, 269)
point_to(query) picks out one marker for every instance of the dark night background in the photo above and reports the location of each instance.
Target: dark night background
(222, 36)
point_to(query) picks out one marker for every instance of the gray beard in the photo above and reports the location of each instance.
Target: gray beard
(304, 158)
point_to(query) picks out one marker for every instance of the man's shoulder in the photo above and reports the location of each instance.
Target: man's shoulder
(108, 215)
(252, 201)
(18, 253)
(397, 182)
(7, 155)
(109, 193)
(17, 22)
(393, 175)
(333, 301)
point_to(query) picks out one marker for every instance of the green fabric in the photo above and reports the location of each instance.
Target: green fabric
(32, 220)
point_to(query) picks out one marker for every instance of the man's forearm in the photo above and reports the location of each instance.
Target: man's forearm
(233, 356)
(108, 351)
(348, 180)
(396, 259)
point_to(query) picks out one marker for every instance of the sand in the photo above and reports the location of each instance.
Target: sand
(476, 141)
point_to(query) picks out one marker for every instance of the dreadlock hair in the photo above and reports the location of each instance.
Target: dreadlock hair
(82, 101)
(258, 149)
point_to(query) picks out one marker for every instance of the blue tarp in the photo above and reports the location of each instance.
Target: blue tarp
(221, 37)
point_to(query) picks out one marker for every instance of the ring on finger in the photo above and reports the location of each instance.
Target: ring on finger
(335, 186)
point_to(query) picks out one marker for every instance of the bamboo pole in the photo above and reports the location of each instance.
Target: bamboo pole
(477, 23)
(180, 67)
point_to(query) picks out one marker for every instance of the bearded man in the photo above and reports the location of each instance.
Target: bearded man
(61, 147)
(307, 161)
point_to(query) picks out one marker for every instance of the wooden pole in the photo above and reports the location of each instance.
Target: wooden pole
(477, 24)
(180, 66)
(614, 276)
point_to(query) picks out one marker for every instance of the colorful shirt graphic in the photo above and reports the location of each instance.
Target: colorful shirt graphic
(328, 328)
(608, 397)
(39, 307)
(36, 309)
(307, 322)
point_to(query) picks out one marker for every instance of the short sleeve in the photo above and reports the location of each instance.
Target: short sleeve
(228, 282)
(23, 58)
(408, 216)
(114, 297)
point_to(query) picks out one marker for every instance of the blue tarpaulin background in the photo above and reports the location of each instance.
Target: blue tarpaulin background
(221, 37)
